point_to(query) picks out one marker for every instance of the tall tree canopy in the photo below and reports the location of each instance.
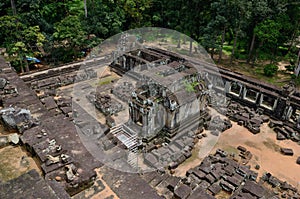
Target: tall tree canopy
(65, 30)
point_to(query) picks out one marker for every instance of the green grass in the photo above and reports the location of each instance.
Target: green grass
(105, 80)
(257, 72)
(227, 50)
(230, 149)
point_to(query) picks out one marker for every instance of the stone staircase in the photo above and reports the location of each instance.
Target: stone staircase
(130, 140)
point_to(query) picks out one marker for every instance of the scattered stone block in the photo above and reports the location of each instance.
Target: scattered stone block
(242, 149)
(182, 191)
(287, 151)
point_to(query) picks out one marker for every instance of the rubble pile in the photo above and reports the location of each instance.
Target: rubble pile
(105, 103)
(283, 131)
(123, 91)
(218, 125)
(54, 79)
(281, 188)
(215, 173)
(246, 117)
(171, 154)
(16, 119)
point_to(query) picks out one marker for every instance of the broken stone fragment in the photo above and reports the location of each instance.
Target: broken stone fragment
(24, 161)
(64, 158)
(298, 161)
(3, 83)
(58, 178)
(52, 160)
(14, 138)
(19, 119)
(70, 172)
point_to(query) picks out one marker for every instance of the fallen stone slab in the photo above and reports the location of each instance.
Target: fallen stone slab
(280, 136)
(242, 149)
(282, 132)
(3, 83)
(274, 123)
(287, 151)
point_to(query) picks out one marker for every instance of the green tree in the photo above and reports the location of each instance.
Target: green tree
(18, 53)
(135, 12)
(268, 33)
(105, 19)
(260, 11)
(240, 14)
(20, 40)
(69, 38)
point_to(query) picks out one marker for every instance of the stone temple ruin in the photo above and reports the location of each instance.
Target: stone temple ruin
(166, 119)
(162, 103)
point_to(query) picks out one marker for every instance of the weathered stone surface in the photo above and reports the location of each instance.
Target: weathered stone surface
(30, 185)
(200, 193)
(128, 185)
(16, 117)
(182, 191)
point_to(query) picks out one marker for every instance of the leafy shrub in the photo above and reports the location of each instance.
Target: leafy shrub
(295, 79)
(290, 68)
(270, 70)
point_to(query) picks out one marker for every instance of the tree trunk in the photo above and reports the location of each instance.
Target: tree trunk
(251, 48)
(297, 65)
(26, 65)
(234, 46)
(231, 37)
(13, 7)
(179, 40)
(85, 9)
(222, 42)
(293, 37)
(93, 6)
(191, 46)
(212, 52)
(184, 40)
(21, 64)
(274, 52)
(256, 52)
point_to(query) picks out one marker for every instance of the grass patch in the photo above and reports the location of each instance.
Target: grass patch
(194, 156)
(104, 81)
(271, 145)
(257, 72)
(8, 165)
(252, 144)
(230, 149)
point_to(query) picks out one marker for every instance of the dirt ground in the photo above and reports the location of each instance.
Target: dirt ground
(14, 161)
(264, 147)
